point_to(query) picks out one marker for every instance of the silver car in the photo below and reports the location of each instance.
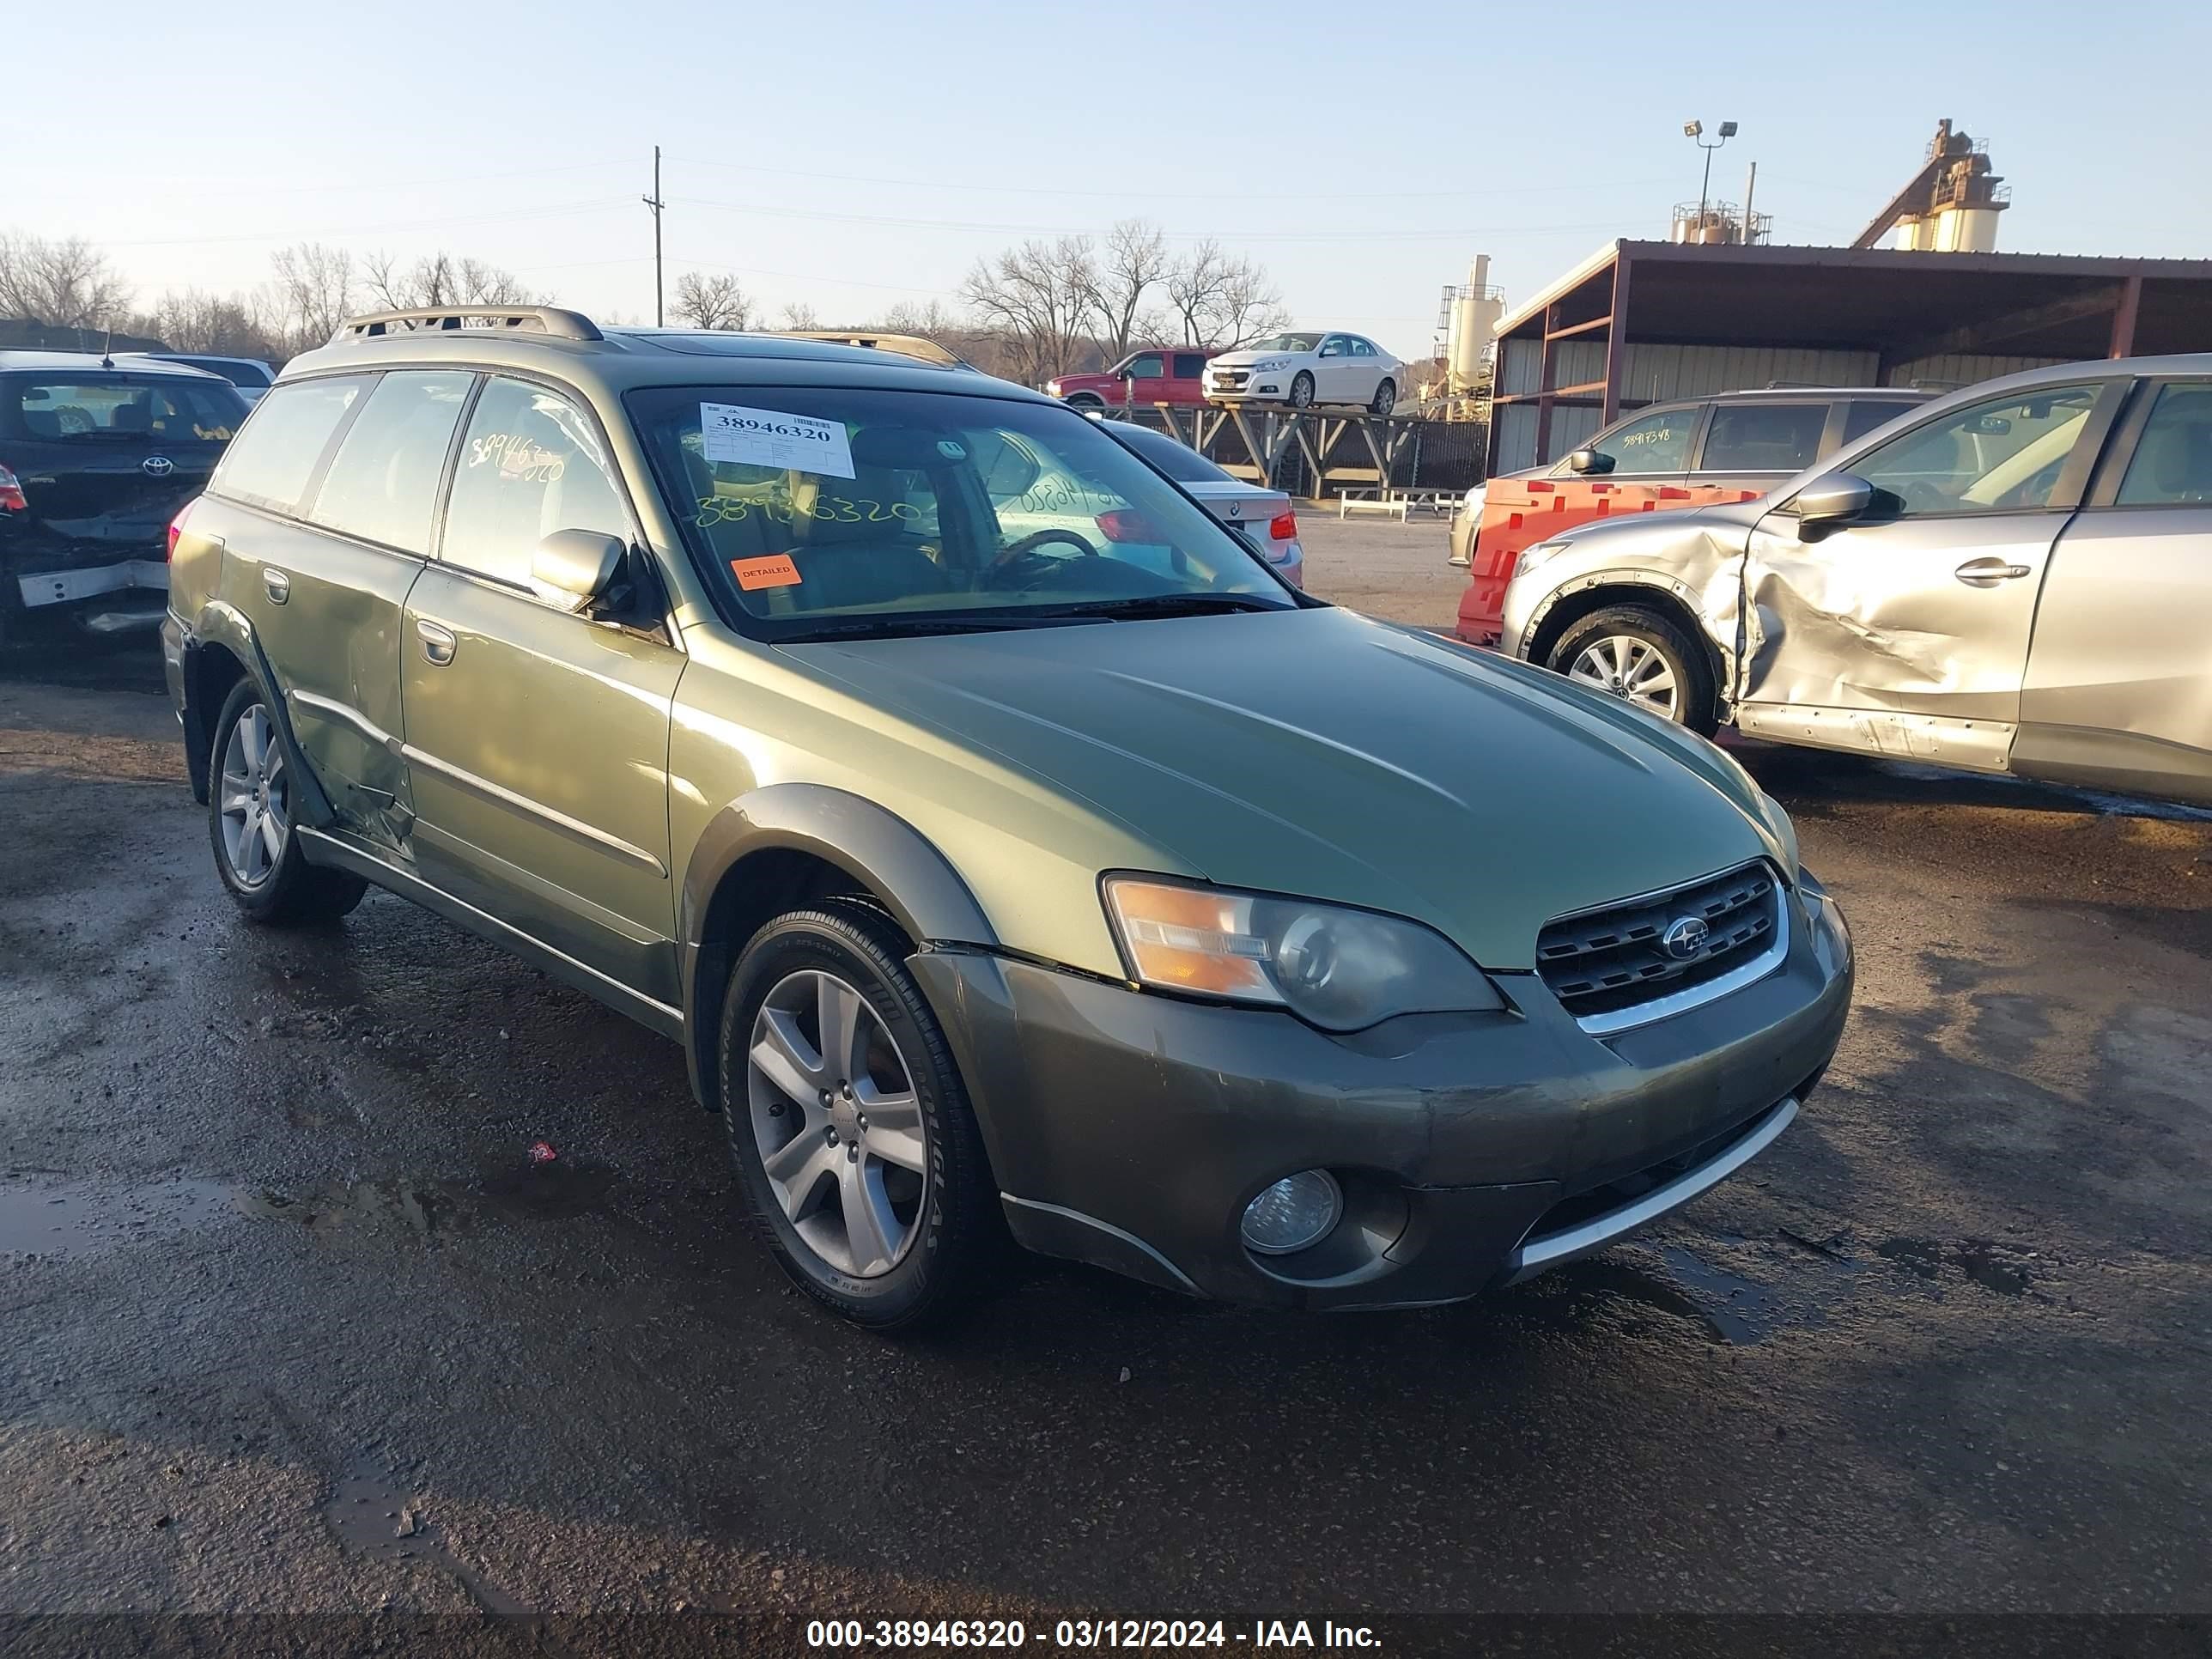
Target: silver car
(2016, 578)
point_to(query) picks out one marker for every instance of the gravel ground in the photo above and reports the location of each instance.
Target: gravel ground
(294, 1325)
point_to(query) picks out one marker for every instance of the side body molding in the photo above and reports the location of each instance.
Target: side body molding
(222, 623)
(879, 850)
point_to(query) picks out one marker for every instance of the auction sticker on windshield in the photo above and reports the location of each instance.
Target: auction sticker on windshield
(766, 437)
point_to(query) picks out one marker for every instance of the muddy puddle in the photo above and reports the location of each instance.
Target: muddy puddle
(373, 1513)
(75, 1219)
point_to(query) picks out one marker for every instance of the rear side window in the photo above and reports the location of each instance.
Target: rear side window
(274, 456)
(383, 483)
(2173, 463)
(1862, 418)
(1179, 461)
(98, 408)
(1763, 437)
(530, 463)
(1189, 365)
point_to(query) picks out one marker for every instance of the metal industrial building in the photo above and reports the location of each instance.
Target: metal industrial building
(1640, 322)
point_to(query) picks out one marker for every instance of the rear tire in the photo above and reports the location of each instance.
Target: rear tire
(892, 1223)
(1642, 656)
(1302, 390)
(250, 825)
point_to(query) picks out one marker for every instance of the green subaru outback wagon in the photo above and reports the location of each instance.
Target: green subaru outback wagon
(1010, 851)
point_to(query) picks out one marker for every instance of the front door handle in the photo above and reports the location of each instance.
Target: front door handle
(437, 641)
(1988, 572)
(276, 584)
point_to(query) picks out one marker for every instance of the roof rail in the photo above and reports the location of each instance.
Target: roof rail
(523, 320)
(906, 345)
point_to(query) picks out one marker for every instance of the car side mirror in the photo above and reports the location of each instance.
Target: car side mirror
(571, 569)
(1590, 460)
(1830, 502)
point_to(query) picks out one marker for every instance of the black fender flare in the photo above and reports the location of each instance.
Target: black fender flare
(220, 623)
(880, 851)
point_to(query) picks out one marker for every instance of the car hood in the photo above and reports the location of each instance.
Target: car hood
(1322, 754)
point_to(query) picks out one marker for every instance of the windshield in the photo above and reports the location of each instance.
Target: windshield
(823, 511)
(1179, 461)
(171, 410)
(1286, 342)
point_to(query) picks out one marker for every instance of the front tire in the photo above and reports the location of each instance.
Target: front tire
(1085, 400)
(251, 826)
(862, 1169)
(1385, 399)
(1302, 390)
(1644, 657)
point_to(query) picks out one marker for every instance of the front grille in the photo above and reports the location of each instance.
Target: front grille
(1613, 961)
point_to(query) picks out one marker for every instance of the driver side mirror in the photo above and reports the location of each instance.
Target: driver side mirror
(1830, 502)
(572, 569)
(1590, 460)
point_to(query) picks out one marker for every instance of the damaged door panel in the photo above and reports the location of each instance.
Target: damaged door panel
(1907, 638)
(1906, 632)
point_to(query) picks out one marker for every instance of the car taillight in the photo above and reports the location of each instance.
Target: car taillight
(11, 493)
(1126, 523)
(1283, 527)
(177, 527)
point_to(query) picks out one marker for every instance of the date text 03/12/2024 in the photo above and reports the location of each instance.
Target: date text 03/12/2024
(1088, 1633)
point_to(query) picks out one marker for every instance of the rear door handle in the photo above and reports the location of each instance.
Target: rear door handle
(276, 584)
(1988, 572)
(437, 641)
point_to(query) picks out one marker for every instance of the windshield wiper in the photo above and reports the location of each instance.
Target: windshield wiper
(1163, 604)
(900, 628)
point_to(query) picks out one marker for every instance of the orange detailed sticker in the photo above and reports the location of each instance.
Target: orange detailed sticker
(775, 571)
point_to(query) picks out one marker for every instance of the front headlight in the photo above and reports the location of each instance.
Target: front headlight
(1784, 831)
(1273, 366)
(1339, 969)
(1532, 556)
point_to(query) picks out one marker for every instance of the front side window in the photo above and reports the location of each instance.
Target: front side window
(105, 408)
(1146, 366)
(275, 455)
(2173, 463)
(1650, 443)
(805, 506)
(530, 463)
(2004, 453)
(383, 482)
(1761, 437)
(1335, 347)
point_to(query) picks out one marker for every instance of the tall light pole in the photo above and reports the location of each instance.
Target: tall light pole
(1695, 131)
(656, 204)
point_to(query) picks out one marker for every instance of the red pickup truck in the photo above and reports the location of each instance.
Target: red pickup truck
(1157, 374)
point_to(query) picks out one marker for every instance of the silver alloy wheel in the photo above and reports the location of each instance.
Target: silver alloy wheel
(256, 798)
(1629, 667)
(1385, 399)
(1305, 401)
(837, 1123)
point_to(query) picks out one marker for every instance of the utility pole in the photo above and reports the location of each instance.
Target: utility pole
(656, 204)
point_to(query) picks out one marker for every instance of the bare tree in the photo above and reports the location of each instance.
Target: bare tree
(311, 292)
(799, 314)
(193, 321)
(440, 279)
(1039, 295)
(712, 301)
(1134, 263)
(66, 284)
(1222, 299)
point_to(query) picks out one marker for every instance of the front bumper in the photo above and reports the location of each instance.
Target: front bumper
(1130, 1129)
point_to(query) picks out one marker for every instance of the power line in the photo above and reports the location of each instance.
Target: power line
(517, 215)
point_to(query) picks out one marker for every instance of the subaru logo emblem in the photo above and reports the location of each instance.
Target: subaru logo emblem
(1685, 936)
(157, 466)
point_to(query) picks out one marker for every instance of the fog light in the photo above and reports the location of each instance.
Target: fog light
(1296, 1212)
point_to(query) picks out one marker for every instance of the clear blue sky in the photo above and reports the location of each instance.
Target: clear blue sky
(856, 155)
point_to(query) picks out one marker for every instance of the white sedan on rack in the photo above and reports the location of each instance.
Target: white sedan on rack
(1303, 369)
